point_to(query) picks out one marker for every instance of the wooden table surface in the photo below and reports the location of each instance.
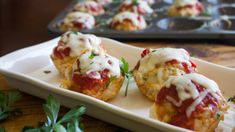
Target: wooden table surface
(26, 22)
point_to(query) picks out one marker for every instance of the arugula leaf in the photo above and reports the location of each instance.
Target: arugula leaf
(68, 123)
(92, 55)
(6, 102)
(126, 73)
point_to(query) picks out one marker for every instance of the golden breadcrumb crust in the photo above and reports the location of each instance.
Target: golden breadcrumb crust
(151, 82)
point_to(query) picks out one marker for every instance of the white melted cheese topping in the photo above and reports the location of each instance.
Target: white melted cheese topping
(162, 55)
(143, 5)
(104, 2)
(84, 18)
(98, 63)
(79, 42)
(186, 89)
(132, 17)
(185, 2)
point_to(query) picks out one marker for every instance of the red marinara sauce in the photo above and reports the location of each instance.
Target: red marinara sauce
(86, 81)
(180, 118)
(61, 52)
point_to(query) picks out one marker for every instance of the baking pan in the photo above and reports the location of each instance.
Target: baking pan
(219, 24)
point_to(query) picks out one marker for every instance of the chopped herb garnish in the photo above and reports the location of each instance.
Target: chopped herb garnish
(126, 73)
(68, 123)
(218, 116)
(206, 13)
(6, 103)
(154, 50)
(231, 99)
(91, 63)
(74, 32)
(92, 55)
(47, 71)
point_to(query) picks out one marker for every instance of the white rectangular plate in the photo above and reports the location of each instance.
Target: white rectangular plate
(25, 68)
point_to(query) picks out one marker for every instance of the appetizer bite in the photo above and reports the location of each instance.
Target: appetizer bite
(70, 46)
(137, 6)
(128, 21)
(97, 75)
(90, 7)
(186, 8)
(191, 101)
(155, 67)
(76, 21)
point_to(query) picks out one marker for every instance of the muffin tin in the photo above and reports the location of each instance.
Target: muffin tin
(219, 24)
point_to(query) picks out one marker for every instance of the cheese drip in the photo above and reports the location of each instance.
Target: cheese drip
(162, 55)
(186, 89)
(83, 18)
(132, 17)
(96, 63)
(78, 43)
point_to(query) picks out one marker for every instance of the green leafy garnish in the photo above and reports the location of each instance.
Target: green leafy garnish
(68, 123)
(2, 130)
(135, 2)
(206, 13)
(218, 116)
(126, 73)
(6, 103)
(231, 99)
(92, 55)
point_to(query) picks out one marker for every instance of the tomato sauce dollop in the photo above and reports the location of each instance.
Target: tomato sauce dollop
(86, 81)
(180, 118)
(61, 52)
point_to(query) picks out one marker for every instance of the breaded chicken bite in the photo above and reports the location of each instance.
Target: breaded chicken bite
(76, 21)
(155, 67)
(139, 6)
(91, 7)
(128, 21)
(97, 75)
(70, 46)
(186, 8)
(191, 101)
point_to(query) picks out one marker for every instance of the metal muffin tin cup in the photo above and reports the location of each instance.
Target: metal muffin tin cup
(161, 26)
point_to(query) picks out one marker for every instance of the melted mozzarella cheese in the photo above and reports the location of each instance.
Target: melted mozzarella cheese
(186, 89)
(192, 107)
(83, 18)
(185, 2)
(132, 17)
(160, 56)
(99, 63)
(79, 42)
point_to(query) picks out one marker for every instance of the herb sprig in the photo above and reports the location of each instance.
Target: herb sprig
(232, 99)
(6, 103)
(126, 73)
(68, 123)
